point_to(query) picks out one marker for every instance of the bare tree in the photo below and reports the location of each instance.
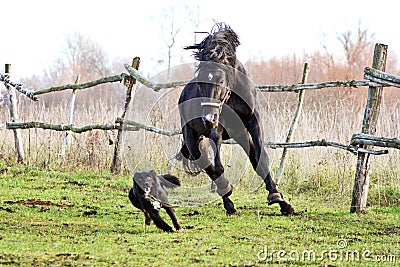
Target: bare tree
(170, 42)
(54, 72)
(85, 56)
(170, 28)
(82, 56)
(194, 18)
(357, 50)
(179, 22)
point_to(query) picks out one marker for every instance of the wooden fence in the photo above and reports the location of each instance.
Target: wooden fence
(361, 144)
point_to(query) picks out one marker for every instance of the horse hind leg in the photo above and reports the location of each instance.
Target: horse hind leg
(252, 143)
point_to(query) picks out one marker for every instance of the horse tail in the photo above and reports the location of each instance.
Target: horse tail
(170, 181)
(189, 166)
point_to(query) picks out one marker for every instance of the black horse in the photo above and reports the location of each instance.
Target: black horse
(219, 104)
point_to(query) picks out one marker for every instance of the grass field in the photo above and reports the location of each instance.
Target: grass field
(68, 210)
(53, 217)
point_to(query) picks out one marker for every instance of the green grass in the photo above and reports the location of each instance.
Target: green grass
(56, 218)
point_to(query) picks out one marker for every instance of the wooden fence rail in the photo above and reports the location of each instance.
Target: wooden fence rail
(129, 125)
(263, 88)
(367, 139)
(60, 127)
(381, 78)
(32, 94)
(360, 143)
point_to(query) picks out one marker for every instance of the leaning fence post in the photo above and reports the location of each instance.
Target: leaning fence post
(130, 84)
(70, 116)
(12, 97)
(361, 181)
(294, 123)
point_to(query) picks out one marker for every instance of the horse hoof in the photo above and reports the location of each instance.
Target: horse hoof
(275, 198)
(168, 229)
(286, 208)
(229, 206)
(232, 212)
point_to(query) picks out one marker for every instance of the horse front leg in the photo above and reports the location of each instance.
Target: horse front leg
(216, 173)
(199, 153)
(193, 150)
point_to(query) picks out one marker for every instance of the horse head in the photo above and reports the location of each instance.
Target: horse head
(215, 85)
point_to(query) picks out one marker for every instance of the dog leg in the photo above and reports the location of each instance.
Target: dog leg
(171, 213)
(152, 214)
(159, 222)
(134, 199)
(155, 216)
(148, 218)
(138, 204)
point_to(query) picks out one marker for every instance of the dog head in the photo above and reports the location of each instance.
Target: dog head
(146, 180)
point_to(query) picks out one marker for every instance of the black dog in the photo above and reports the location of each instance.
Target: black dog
(149, 195)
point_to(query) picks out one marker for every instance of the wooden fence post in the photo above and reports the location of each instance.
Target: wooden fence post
(130, 84)
(70, 117)
(294, 123)
(12, 97)
(361, 181)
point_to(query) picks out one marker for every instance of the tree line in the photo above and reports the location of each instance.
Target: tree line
(84, 56)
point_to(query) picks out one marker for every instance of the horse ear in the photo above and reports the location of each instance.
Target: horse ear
(222, 56)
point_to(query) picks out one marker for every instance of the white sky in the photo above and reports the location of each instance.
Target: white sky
(33, 32)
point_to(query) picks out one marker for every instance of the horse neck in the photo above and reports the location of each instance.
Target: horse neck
(243, 86)
(239, 66)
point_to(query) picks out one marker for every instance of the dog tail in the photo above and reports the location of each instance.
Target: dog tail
(170, 181)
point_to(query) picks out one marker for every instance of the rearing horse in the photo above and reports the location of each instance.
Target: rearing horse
(219, 104)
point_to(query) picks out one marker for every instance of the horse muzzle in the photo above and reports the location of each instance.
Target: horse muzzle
(210, 121)
(211, 112)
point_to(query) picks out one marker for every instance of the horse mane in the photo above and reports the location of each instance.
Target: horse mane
(219, 46)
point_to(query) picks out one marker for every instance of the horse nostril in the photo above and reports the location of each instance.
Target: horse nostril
(215, 117)
(209, 118)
